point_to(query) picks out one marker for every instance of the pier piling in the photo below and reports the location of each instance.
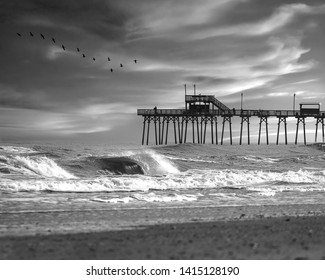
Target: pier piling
(244, 119)
(226, 119)
(263, 119)
(321, 121)
(300, 119)
(284, 120)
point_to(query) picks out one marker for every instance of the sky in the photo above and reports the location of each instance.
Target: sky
(267, 50)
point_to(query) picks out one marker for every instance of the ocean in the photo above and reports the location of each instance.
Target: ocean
(40, 178)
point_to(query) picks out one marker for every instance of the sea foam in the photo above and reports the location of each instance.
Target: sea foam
(266, 183)
(34, 166)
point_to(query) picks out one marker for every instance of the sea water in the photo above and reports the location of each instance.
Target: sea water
(78, 177)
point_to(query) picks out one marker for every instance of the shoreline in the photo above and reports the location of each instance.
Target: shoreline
(240, 232)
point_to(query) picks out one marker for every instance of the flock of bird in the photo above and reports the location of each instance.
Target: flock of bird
(78, 49)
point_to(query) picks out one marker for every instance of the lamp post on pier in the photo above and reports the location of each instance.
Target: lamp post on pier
(294, 102)
(241, 102)
(185, 97)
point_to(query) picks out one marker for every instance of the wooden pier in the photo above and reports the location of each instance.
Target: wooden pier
(204, 111)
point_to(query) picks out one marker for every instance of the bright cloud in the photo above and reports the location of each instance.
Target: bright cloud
(280, 18)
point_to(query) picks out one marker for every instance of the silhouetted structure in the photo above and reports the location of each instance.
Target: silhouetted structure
(201, 110)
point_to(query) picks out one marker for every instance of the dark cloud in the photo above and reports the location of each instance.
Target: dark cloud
(103, 18)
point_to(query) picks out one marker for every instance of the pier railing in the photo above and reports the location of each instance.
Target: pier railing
(229, 112)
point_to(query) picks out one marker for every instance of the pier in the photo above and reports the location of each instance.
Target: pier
(203, 112)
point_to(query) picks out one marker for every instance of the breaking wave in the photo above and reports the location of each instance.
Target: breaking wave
(40, 166)
(24, 169)
(266, 183)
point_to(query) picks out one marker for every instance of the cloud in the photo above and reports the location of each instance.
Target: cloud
(230, 72)
(162, 19)
(305, 81)
(55, 52)
(90, 119)
(278, 94)
(284, 15)
(224, 47)
(96, 110)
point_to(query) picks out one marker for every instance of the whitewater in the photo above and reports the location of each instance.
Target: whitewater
(53, 177)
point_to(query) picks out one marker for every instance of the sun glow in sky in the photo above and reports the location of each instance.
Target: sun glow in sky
(268, 50)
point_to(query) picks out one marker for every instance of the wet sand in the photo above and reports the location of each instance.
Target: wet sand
(252, 232)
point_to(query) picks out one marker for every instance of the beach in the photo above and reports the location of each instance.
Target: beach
(172, 202)
(247, 232)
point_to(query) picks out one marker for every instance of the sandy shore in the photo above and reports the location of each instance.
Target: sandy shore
(252, 232)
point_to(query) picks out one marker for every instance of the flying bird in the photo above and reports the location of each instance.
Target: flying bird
(63, 47)
(111, 70)
(31, 34)
(108, 59)
(94, 59)
(78, 50)
(135, 61)
(121, 65)
(83, 55)
(42, 36)
(53, 40)
(19, 34)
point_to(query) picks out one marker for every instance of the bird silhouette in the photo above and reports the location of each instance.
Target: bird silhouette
(78, 49)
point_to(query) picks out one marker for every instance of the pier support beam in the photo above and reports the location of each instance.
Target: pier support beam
(144, 129)
(216, 125)
(159, 129)
(166, 140)
(180, 131)
(263, 119)
(205, 129)
(226, 119)
(193, 130)
(185, 133)
(148, 130)
(212, 131)
(300, 119)
(162, 132)
(198, 130)
(321, 121)
(284, 120)
(244, 119)
(175, 134)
